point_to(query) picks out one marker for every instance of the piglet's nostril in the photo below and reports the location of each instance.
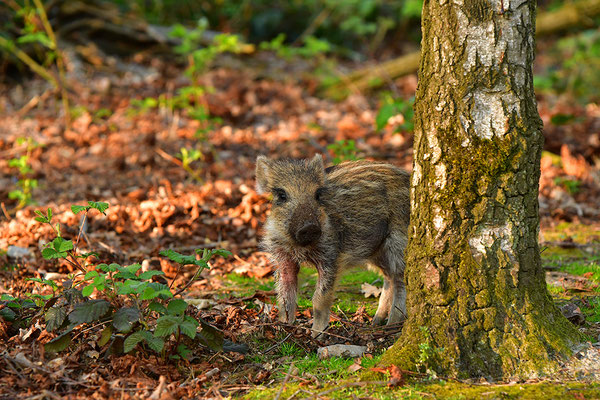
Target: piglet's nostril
(309, 233)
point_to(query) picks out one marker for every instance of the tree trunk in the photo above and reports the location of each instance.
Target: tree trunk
(477, 299)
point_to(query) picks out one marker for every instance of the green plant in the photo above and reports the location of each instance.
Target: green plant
(572, 186)
(132, 308)
(290, 349)
(311, 47)
(428, 354)
(25, 185)
(343, 150)
(187, 157)
(31, 17)
(396, 107)
(192, 99)
(574, 68)
(591, 309)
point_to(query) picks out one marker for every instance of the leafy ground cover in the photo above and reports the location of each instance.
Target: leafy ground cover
(177, 182)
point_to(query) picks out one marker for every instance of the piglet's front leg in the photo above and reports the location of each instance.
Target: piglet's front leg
(287, 287)
(323, 299)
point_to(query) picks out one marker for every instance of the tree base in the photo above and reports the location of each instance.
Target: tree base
(537, 346)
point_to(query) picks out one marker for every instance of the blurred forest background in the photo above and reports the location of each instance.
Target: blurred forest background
(152, 112)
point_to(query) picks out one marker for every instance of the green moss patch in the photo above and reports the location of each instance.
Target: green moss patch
(437, 390)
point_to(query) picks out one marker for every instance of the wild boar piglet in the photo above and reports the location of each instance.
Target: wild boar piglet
(352, 214)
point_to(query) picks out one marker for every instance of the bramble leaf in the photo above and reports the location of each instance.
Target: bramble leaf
(59, 343)
(156, 306)
(132, 287)
(124, 318)
(154, 343)
(210, 337)
(89, 311)
(166, 325)
(55, 316)
(99, 205)
(88, 290)
(176, 306)
(58, 248)
(77, 209)
(90, 274)
(132, 340)
(180, 258)
(188, 326)
(105, 335)
(109, 268)
(154, 290)
(149, 274)
(183, 351)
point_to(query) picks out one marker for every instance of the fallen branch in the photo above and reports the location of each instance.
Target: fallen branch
(579, 14)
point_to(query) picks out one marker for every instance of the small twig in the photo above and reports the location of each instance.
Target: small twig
(192, 280)
(76, 265)
(285, 380)
(80, 230)
(277, 344)
(6, 214)
(168, 157)
(33, 103)
(176, 161)
(90, 328)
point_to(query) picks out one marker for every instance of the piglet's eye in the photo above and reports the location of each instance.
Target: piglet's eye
(319, 194)
(281, 195)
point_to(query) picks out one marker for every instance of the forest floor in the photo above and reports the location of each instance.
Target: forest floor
(127, 157)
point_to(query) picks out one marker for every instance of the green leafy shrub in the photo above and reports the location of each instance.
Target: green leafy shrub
(25, 184)
(34, 30)
(392, 107)
(574, 70)
(135, 311)
(343, 150)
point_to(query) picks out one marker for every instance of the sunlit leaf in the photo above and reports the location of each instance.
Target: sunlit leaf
(78, 209)
(99, 205)
(386, 112)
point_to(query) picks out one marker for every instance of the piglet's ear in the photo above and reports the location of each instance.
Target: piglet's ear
(316, 164)
(263, 166)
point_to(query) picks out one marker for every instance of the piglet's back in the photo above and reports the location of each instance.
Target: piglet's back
(365, 200)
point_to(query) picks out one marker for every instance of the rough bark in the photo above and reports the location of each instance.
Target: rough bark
(477, 298)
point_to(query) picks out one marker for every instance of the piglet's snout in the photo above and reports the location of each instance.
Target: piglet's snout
(304, 226)
(309, 233)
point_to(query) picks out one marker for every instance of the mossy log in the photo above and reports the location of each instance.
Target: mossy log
(477, 300)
